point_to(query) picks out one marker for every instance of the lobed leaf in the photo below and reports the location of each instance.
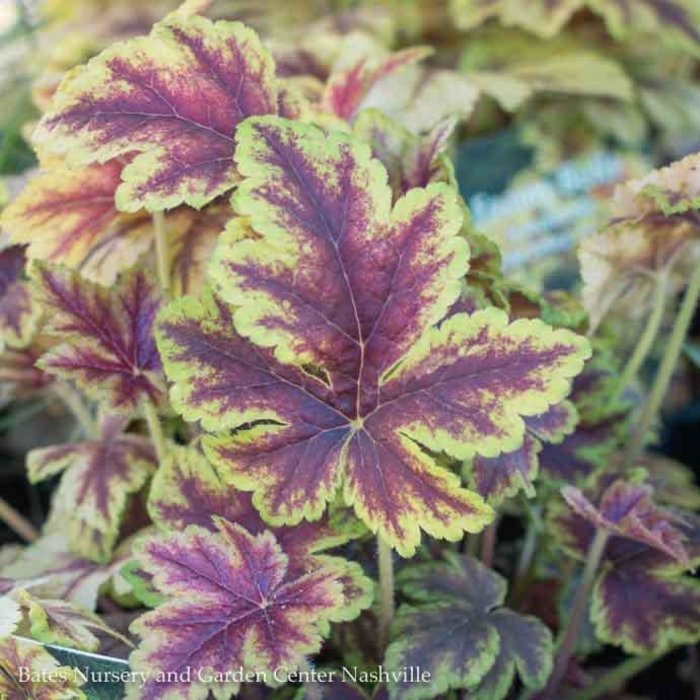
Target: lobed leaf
(642, 610)
(461, 634)
(69, 216)
(336, 372)
(626, 509)
(642, 599)
(49, 569)
(175, 98)
(232, 602)
(98, 478)
(107, 338)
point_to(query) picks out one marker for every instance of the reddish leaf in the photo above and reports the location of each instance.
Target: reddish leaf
(107, 338)
(345, 90)
(497, 478)
(232, 603)
(61, 622)
(338, 371)
(627, 510)
(98, 478)
(641, 600)
(600, 427)
(176, 98)
(68, 215)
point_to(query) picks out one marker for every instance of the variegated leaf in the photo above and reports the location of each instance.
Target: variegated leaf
(336, 371)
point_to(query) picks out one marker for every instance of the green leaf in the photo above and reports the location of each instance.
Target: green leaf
(459, 631)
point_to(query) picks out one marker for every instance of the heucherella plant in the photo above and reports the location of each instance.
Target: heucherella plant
(302, 398)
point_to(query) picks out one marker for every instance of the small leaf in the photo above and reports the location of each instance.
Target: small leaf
(61, 622)
(336, 371)
(344, 91)
(420, 97)
(498, 478)
(68, 216)
(98, 478)
(642, 600)
(175, 97)
(461, 634)
(18, 312)
(47, 680)
(48, 568)
(410, 160)
(232, 603)
(107, 344)
(654, 231)
(626, 509)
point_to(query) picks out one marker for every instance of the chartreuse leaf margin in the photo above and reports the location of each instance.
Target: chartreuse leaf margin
(234, 600)
(173, 98)
(456, 627)
(324, 354)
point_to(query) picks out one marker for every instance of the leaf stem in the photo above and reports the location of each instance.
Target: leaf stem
(312, 690)
(77, 407)
(669, 361)
(155, 429)
(526, 563)
(386, 590)
(488, 545)
(613, 679)
(162, 252)
(567, 642)
(646, 340)
(17, 522)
